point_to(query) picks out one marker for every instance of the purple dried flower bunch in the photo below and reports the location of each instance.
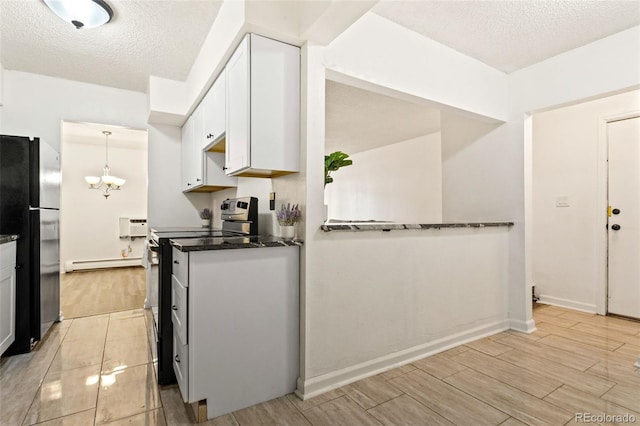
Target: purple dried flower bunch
(288, 215)
(206, 214)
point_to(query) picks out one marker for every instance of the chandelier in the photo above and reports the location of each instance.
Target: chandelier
(107, 182)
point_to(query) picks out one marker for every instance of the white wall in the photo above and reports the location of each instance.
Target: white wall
(168, 206)
(350, 281)
(476, 177)
(376, 300)
(35, 105)
(604, 67)
(566, 163)
(89, 228)
(400, 182)
(386, 54)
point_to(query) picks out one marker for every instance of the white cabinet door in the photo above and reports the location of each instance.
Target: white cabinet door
(219, 106)
(7, 295)
(214, 116)
(185, 152)
(197, 158)
(275, 105)
(238, 94)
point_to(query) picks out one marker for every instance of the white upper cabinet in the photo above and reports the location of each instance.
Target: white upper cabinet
(237, 149)
(187, 155)
(196, 174)
(263, 108)
(214, 120)
(201, 171)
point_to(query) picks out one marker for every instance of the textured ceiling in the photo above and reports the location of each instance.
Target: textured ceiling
(158, 37)
(163, 37)
(507, 34)
(358, 120)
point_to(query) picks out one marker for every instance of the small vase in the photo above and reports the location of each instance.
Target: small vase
(287, 231)
(206, 223)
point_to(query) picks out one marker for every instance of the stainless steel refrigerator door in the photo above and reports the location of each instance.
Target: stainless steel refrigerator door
(49, 268)
(49, 177)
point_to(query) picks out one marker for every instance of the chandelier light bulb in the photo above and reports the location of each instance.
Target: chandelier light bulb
(92, 180)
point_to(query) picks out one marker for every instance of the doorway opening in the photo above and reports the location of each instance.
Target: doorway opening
(101, 259)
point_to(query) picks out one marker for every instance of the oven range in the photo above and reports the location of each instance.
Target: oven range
(239, 217)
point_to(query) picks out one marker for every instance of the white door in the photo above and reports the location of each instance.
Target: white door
(624, 220)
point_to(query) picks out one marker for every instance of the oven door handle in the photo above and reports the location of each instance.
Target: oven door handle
(153, 246)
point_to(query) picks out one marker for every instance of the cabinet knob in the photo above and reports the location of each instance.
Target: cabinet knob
(198, 180)
(177, 358)
(210, 136)
(224, 168)
(176, 262)
(188, 184)
(174, 307)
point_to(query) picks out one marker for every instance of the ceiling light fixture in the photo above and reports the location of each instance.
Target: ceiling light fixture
(82, 13)
(106, 182)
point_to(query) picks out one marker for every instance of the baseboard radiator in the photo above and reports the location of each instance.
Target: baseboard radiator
(79, 265)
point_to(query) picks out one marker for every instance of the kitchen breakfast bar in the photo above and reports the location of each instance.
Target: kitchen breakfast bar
(378, 295)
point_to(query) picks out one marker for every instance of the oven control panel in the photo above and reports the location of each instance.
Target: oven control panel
(239, 209)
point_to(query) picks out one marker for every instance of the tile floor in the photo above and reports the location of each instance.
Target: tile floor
(100, 370)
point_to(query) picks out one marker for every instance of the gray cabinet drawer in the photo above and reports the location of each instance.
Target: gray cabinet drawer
(180, 266)
(179, 308)
(181, 365)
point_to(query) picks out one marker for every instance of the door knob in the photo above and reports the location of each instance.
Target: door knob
(615, 211)
(615, 227)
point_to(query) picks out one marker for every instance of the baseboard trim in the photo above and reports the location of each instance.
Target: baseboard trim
(79, 265)
(527, 327)
(318, 385)
(566, 303)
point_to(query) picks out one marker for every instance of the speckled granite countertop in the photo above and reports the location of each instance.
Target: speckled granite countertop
(363, 226)
(229, 243)
(7, 238)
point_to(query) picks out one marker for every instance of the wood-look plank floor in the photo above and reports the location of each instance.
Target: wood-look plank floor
(86, 293)
(575, 363)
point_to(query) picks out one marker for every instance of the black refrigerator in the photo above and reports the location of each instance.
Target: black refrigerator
(30, 208)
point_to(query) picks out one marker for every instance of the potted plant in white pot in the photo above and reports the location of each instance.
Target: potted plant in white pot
(287, 217)
(205, 217)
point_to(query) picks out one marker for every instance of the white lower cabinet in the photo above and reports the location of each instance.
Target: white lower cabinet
(242, 327)
(7, 295)
(181, 365)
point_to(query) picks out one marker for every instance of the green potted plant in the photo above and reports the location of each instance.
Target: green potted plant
(333, 162)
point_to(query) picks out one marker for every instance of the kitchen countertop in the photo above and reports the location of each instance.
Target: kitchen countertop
(373, 226)
(7, 238)
(229, 243)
